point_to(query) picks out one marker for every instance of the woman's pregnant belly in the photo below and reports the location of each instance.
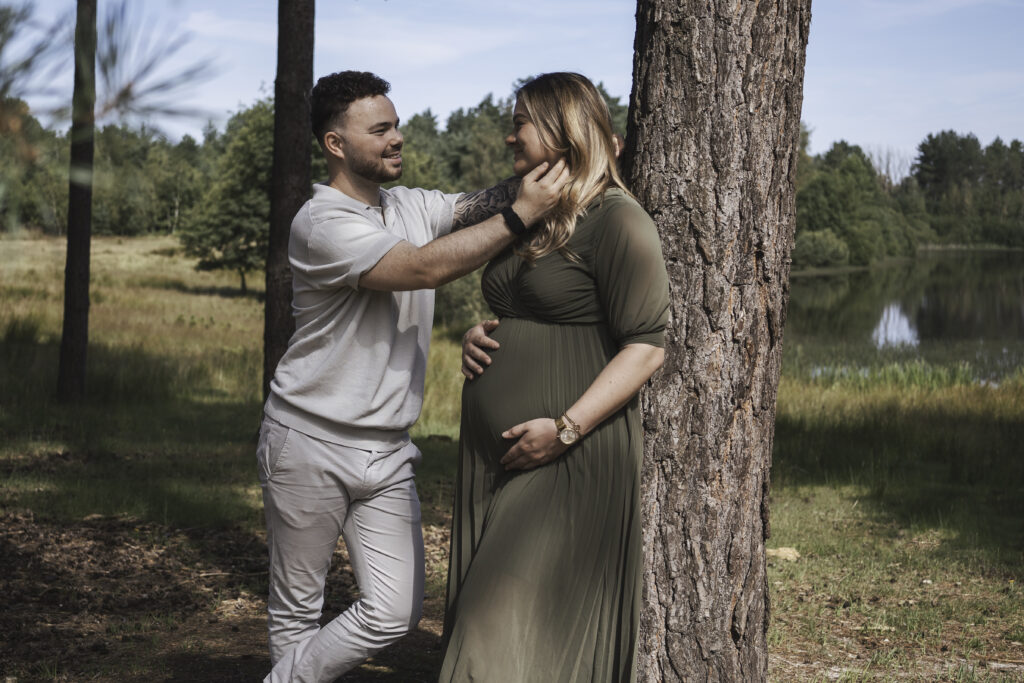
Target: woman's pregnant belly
(539, 371)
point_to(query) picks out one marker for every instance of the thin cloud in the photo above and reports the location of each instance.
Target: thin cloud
(405, 43)
(889, 13)
(211, 25)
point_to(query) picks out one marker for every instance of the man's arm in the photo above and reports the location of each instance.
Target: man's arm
(475, 207)
(407, 267)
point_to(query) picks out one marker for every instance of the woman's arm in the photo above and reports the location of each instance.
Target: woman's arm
(537, 440)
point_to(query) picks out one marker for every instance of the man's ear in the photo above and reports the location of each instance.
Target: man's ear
(333, 144)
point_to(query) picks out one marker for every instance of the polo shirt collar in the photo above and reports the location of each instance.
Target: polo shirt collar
(323, 191)
(333, 194)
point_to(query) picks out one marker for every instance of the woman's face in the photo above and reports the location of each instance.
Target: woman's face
(527, 149)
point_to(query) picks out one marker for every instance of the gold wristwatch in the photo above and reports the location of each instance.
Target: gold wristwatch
(568, 431)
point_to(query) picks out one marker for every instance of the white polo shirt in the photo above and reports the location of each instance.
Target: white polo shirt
(354, 370)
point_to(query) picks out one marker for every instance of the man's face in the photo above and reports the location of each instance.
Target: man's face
(370, 139)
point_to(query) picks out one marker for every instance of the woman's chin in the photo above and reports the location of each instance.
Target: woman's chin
(521, 167)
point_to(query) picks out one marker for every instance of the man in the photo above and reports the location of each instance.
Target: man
(334, 454)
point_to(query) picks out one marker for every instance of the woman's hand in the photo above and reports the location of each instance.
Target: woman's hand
(537, 444)
(474, 357)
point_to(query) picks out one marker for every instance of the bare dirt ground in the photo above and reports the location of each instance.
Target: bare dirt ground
(111, 599)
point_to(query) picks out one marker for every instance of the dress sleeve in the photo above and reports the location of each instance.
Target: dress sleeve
(631, 278)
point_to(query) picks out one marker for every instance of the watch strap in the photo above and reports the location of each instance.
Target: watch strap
(513, 221)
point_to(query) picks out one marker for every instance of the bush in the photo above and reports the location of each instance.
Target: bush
(460, 304)
(820, 248)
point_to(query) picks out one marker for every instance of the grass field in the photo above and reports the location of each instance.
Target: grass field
(132, 549)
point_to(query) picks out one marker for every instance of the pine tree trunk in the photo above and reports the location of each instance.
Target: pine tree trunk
(290, 182)
(74, 341)
(712, 145)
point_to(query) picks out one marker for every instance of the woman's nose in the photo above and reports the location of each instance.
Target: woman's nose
(510, 139)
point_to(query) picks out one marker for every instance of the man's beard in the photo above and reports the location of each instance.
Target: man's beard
(374, 170)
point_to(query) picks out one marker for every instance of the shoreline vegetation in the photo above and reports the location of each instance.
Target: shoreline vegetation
(132, 535)
(891, 261)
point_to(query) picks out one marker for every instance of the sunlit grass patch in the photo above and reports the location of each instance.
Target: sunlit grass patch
(173, 380)
(906, 504)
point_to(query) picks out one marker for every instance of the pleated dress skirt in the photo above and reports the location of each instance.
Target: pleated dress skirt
(545, 568)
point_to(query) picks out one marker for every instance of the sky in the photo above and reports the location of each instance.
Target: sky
(880, 73)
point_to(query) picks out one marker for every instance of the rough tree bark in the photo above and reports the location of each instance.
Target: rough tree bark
(713, 139)
(290, 178)
(74, 341)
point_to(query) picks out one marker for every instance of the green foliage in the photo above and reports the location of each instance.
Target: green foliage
(820, 248)
(617, 109)
(842, 197)
(33, 177)
(228, 228)
(973, 195)
(460, 304)
(473, 146)
(214, 192)
(423, 162)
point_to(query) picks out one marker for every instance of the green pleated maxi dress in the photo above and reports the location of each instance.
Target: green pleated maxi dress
(545, 567)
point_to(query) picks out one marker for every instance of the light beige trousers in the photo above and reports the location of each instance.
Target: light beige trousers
(313, 492)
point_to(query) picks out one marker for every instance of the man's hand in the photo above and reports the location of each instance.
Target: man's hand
(537, 444)
(476, 339)
(540, 191)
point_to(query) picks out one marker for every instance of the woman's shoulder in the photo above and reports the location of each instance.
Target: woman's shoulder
(617, 210)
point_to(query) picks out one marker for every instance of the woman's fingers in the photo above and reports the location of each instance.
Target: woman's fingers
(536, 444)
(514, 432)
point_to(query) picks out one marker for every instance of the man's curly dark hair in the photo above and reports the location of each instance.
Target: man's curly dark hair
(334, 93)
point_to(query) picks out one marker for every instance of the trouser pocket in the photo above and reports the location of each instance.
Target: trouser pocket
(272, 449)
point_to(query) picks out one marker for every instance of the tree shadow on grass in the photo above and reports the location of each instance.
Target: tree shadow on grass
(414, 659)
(178, 285)
(958, 471)
(131, 520)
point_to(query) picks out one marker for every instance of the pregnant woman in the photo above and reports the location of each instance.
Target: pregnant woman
(544, 576)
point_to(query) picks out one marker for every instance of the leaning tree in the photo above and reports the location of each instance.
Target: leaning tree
(713, 139)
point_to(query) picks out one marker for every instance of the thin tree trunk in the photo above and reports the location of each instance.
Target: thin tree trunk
(74, 340)
(290, 184)
(713, 139)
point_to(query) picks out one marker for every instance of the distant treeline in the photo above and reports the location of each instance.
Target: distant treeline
(214, 193)
(850, 211)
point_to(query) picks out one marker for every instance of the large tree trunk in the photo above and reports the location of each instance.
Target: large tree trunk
(713, 139)
(74, 341)
(290, 179)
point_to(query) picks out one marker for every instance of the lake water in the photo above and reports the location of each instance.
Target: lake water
(949, 308)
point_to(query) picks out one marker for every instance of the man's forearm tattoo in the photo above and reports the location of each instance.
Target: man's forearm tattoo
(475, 207)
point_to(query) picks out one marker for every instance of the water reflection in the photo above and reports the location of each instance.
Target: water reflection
(894, 328)
(942, 307)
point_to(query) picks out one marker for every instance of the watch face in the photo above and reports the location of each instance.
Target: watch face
(567, 436)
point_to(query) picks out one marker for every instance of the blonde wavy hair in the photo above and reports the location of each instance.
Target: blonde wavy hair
(573, 120)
